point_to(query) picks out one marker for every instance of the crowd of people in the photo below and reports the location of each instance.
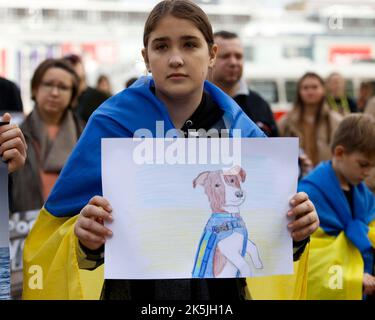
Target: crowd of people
(193, 71)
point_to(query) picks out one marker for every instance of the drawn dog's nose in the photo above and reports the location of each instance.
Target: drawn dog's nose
(239, 194)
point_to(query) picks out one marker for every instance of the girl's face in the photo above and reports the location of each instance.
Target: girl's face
(311, 91)
(177, 54)
(55, 91)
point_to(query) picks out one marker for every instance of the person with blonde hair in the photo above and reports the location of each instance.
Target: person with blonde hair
(337, 98)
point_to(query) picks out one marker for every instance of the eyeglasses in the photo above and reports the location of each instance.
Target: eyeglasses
(49, 86)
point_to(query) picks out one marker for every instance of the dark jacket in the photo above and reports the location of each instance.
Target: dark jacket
(10, 97)
(258, 110)
(89, 101)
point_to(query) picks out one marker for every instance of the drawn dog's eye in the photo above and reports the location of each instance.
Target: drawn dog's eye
(232, 180)
(217, 185)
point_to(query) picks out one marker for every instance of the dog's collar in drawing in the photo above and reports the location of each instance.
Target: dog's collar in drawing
(233, 222)
(225, 215)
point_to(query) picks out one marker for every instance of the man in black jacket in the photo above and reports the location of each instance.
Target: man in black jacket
(227, 74)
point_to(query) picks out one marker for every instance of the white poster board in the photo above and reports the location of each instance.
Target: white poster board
(207, 209)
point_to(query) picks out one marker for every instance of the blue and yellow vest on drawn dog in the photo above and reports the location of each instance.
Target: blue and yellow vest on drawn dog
(219, 227)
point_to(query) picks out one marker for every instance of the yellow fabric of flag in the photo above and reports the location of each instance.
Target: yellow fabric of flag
(283, 287)
(50, 264)
(336, 267)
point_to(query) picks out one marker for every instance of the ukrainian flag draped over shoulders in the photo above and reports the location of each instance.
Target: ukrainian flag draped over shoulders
(341, 249)
(50, 264)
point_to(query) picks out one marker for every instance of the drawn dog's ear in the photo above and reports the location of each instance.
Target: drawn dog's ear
(237, 171)
(242, 174)
(201, 179)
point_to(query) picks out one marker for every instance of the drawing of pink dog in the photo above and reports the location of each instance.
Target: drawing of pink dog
(224, 242)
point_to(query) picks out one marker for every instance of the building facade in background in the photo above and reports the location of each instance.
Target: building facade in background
(281, 43)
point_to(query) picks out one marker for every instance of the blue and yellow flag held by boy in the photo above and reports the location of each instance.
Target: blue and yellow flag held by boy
(341, 250)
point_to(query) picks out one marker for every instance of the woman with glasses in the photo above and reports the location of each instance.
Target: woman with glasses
(51, 130)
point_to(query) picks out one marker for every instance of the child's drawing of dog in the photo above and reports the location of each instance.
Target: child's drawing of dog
(224, 242)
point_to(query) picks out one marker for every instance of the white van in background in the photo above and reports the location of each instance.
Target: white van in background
(278, 83)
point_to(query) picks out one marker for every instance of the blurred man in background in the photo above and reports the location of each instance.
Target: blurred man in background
(227, 74)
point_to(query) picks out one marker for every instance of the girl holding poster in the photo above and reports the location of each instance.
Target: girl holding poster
(178, 50)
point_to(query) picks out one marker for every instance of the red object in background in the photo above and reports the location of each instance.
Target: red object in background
(278, 115)
(349, 54)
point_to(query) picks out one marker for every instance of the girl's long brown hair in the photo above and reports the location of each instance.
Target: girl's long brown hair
(300, 106)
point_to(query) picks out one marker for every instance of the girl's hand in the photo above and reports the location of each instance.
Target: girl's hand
(305, 218)
(89, 227)
(368, 284)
